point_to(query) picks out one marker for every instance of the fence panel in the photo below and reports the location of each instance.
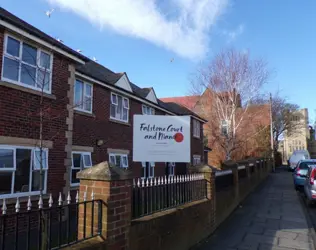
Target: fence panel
(50, 227)
(242, 173)
(156, 194)
(223, 179)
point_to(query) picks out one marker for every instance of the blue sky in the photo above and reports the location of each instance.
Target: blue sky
(144, 36)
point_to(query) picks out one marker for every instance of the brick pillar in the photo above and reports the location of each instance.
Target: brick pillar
(113, 186)
(248, 172)
(209, 175)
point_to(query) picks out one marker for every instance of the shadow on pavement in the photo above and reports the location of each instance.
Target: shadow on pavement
(271, 218)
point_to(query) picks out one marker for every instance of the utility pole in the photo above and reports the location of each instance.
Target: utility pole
(271, 135)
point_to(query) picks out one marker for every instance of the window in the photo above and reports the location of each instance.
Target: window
(148, 170)
(119, 160)
(148, 110)
(80, 161)
(171, 167)
(20, 171)
(26, 65)
(196, 129)
(196, 160)
(119, 108)
(83, 96)
(224, 127)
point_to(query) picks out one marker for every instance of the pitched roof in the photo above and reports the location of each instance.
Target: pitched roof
(103, 74)
(179, 109)
(14, 20)
(99, 72)
(91, 68)
(186, 101)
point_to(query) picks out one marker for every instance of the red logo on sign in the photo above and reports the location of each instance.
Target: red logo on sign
(178, 137)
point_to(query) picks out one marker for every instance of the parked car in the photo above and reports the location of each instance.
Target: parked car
(300, 172)
(296, 157)
(310, 185)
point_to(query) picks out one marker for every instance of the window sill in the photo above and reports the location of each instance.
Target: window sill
(120, 122)
(79, 112)
(74, 186)
(24, 89)
(196, 137)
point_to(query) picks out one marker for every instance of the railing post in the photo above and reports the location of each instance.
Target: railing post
(248, 171)
(236, 181)
(113, 186)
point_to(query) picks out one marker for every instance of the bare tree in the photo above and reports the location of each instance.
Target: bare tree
(286, 118)
(226, 86)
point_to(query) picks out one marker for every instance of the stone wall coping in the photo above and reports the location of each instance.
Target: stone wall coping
(203, 169)
(242, 167)
(104, 172)
(223, 172)
(90, 244)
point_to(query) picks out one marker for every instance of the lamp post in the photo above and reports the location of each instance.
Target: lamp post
(271, 135)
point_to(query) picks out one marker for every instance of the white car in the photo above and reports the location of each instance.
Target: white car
(297, 156)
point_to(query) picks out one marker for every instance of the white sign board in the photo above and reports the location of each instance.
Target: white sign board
(161, 138)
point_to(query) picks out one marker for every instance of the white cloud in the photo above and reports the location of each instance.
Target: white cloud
(233, 34)
(183, 30)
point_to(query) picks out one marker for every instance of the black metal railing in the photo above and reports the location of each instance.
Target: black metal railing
(52, 227)
(242, 173)
(252, 168)
(161, 193)
(223, 180)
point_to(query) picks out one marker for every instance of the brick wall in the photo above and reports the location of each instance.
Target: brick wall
(175, 229)
(19, 116)
(187, 225)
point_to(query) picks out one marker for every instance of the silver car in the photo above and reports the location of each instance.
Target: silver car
(310, 185)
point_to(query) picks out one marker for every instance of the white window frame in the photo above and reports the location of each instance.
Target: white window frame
(84, 95)
(171, 168)
(196, 129)
(227, 127)
(196, 160)
(122, 156)
(19, 60)
(116, 104)
(151, 170)
(146, 108)
(84, 166)
(29, 193)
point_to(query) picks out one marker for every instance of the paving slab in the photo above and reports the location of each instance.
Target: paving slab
(271, 218)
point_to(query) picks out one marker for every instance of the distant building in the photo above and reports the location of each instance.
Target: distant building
(298, 139)
(256, 122)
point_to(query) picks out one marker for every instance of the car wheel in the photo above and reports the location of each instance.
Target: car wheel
(296, 187)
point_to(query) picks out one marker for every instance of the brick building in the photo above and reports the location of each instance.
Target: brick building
(254, 126)
(86, 111)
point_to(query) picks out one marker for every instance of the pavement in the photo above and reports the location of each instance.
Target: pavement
(273, 217)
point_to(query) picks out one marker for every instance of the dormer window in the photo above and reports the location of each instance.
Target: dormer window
(148, 110)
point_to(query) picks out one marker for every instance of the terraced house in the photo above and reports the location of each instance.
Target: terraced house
(80, 112)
